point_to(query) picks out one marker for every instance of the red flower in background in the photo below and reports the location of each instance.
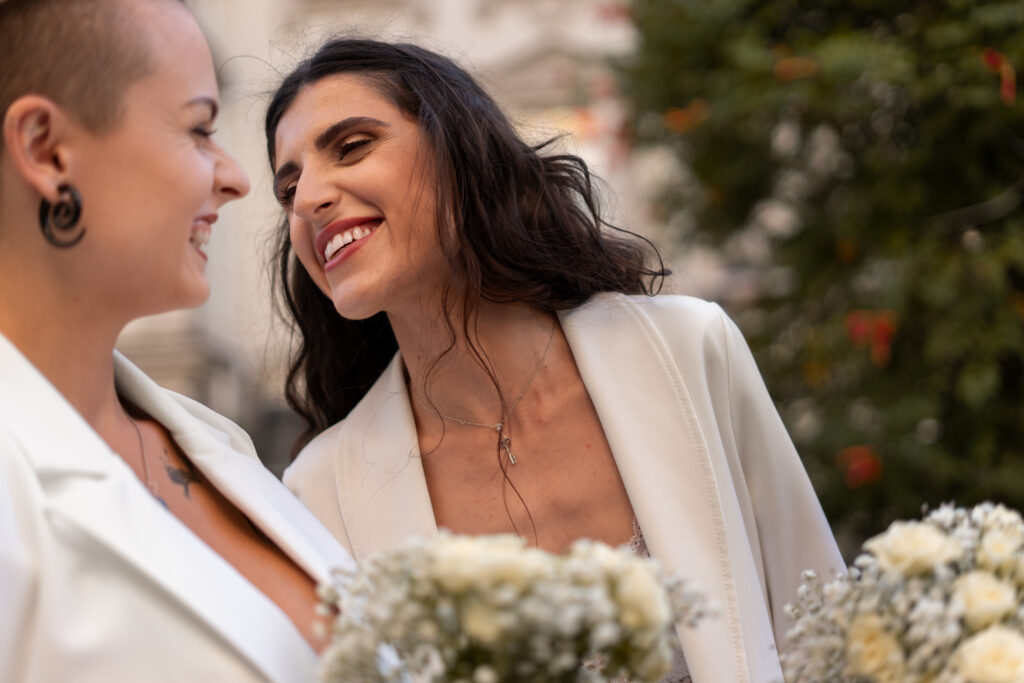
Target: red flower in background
(997, 63)
(790, 69)
(860, 465)
(874, 329)
(685, 119)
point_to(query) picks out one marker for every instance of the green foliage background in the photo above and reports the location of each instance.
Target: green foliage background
(878, 148)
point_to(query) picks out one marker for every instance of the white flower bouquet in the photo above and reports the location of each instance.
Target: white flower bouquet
(488, 609)
(937, 600)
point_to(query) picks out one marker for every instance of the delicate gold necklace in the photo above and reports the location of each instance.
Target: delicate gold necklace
(504, 439)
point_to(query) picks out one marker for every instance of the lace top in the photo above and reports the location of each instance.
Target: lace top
(679, 673)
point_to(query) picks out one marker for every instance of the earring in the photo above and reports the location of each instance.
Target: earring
(59, 221)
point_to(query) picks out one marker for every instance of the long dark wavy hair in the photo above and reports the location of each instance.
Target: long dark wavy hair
(516, 224)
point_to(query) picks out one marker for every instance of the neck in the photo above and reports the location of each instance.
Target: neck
(512, 338)
(70, 342)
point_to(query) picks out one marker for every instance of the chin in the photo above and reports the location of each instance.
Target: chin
(352, 306)
(194, 297)
(353, 312)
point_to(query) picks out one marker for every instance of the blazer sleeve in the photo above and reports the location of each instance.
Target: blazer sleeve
(791, 528)
(17, 559)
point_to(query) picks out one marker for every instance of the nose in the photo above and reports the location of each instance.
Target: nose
(230, 181)
(313, 195)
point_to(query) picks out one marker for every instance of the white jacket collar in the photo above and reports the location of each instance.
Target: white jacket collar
(89, 488)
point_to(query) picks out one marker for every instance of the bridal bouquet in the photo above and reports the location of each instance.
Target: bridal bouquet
(937, 600)
(488, 609)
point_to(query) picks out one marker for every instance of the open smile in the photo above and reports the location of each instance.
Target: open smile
(200, 235)
(340, 235)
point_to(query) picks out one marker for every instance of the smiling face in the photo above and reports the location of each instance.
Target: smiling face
(153, 184)
(353, 173)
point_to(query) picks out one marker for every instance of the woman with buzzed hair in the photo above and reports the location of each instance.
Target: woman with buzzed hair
(140, 537)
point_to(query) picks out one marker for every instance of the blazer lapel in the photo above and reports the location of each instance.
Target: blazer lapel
(228, 459)
(90, 489)
(662, 456)
(382, 490)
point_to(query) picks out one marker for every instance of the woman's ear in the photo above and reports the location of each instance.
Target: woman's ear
(35, 135)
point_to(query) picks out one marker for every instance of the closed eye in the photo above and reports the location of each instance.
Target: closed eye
(353, 150)
(349, 151)
(285, 194)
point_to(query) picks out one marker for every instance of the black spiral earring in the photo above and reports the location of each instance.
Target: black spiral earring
(59, 221)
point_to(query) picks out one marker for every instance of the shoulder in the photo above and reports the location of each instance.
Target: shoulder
(679, 309)
(675, 318)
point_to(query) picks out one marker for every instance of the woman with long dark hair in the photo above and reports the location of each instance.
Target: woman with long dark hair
(479, 351)
(141, 539)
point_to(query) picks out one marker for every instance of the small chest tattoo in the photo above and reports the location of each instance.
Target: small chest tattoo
(183, 477)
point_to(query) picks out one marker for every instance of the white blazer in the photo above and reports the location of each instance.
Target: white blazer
(712, 475)
(99, 582)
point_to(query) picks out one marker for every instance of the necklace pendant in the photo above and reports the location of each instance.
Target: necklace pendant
(506, 443)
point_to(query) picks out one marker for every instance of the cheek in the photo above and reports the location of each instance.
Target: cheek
(302, 245)
(423, 237)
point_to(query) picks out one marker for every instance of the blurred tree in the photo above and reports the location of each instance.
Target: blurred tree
(864, 160)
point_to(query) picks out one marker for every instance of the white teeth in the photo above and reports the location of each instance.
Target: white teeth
(344, 239)
(333, 246)
(200, 238)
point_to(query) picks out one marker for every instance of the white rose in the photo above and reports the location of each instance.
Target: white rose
(997, 547)
(985, 598)
(641, 599)
(872, 652)
(913, 548)
(996, 655)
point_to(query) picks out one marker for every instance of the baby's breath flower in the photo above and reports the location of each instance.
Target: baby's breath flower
(490, 610)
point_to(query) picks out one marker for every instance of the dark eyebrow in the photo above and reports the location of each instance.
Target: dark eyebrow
(325, 138)
(208, 101)
(331, 134)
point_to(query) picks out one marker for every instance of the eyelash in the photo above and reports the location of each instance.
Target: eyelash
(284, 197)
(202, 132)
(346, 147)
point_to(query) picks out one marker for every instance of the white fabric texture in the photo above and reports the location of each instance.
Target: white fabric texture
(100, 583)
(710, 471)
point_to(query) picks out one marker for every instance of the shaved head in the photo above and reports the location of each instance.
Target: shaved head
(81, 54)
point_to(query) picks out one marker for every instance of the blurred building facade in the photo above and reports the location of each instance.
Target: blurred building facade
(548, 62)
